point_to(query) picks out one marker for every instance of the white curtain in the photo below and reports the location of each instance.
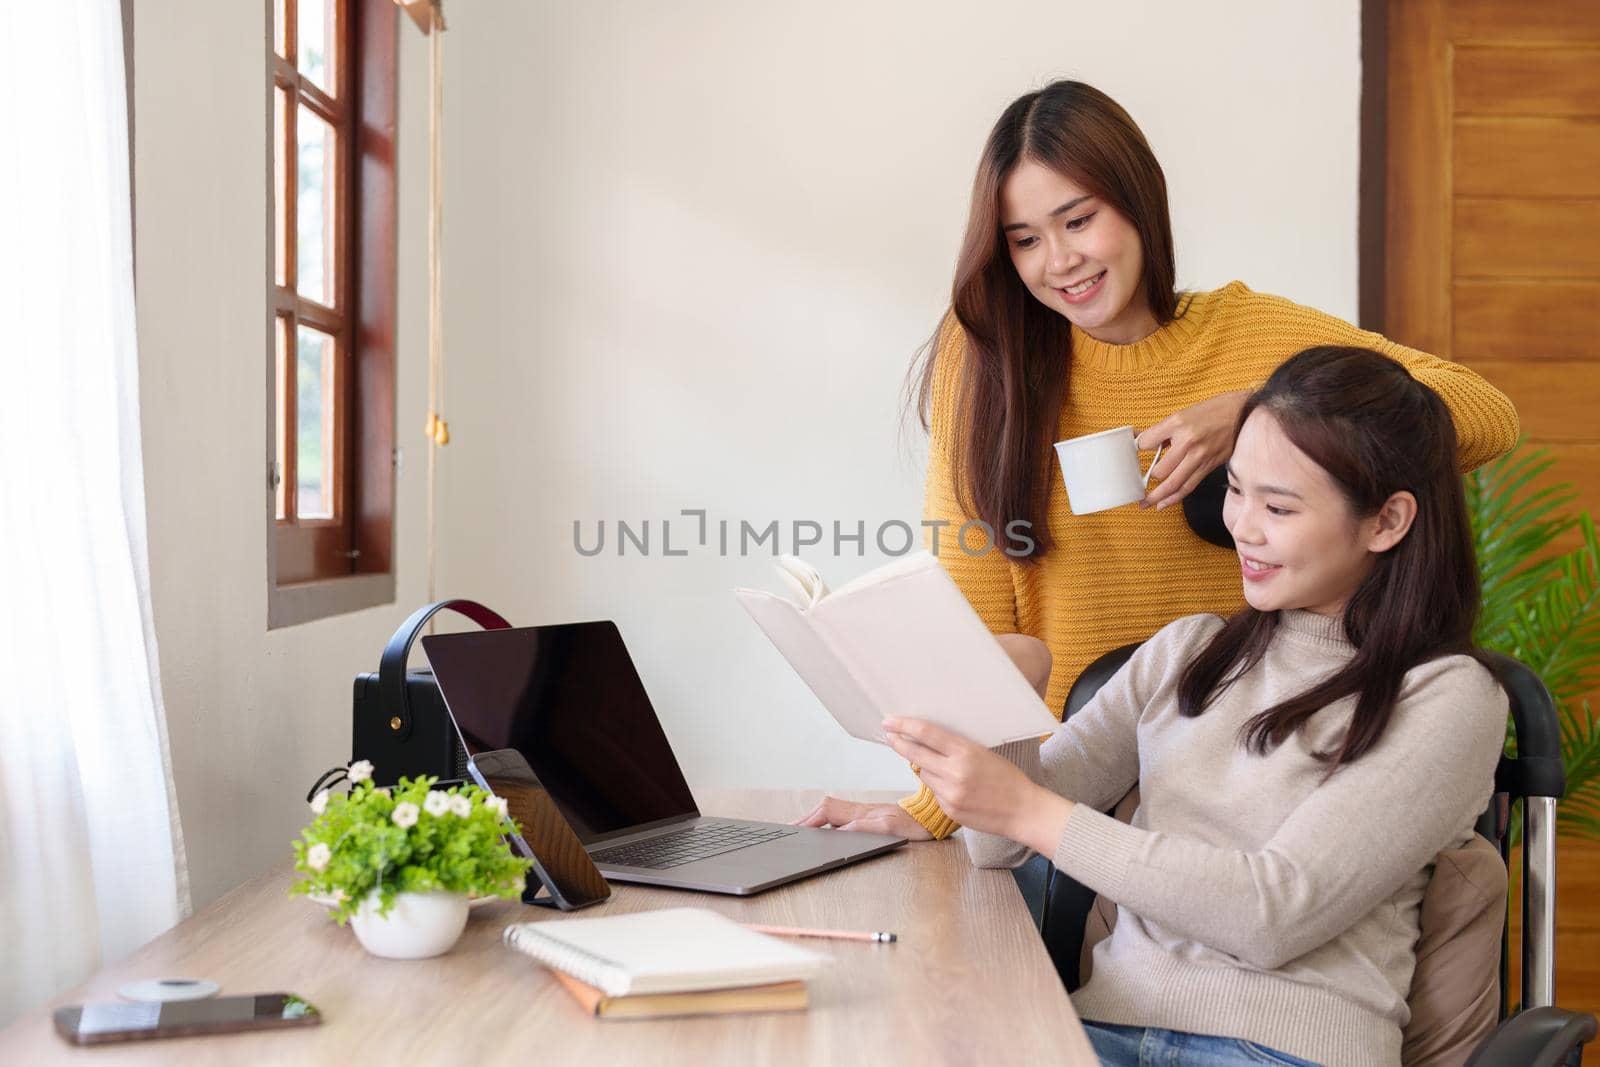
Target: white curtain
(91, 855)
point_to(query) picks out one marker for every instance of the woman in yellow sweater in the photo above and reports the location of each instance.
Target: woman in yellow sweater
(1065, 320)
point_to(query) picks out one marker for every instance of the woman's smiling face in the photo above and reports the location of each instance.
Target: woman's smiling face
(1299, 543)
(1077, 254)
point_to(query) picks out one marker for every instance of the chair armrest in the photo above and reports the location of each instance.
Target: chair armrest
(1538, 1037)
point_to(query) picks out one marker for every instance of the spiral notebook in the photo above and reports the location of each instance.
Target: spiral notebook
(672, 950)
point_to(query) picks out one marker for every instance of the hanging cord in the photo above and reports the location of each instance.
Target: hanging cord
(330, 778)
(438, 430)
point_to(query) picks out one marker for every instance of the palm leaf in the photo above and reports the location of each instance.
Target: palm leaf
(1510, 527)
(1543, 610)
(1579, 813)
(1556, 629)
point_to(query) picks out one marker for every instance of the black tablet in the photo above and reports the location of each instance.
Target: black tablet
(560, 861)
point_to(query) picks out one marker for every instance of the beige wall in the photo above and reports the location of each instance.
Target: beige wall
(253, 716)
(694, 246)
(690, 248)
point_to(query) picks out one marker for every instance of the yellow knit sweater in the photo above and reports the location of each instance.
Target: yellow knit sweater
(1118, 576)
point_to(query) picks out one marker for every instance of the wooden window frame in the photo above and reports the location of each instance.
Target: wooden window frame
(1373, 169)
(322, 567)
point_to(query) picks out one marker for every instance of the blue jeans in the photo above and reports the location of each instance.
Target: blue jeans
(1032, 879)
(1136, 1046)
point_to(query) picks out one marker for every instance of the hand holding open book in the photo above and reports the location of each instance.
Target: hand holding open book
(899, 640)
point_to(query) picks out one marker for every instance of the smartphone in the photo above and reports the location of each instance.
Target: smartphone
(107, 1021)
(559, 858)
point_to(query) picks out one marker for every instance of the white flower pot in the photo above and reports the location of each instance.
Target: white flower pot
(418, 926)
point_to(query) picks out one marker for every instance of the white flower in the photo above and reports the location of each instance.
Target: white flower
(405, 815)
(340, 896)
(319, 803)
(360, 771)
(496, 804)
(384, 791)
(318, 855)
(460, 805)
(435, 803)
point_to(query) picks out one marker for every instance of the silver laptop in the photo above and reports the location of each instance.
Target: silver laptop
(569, 699)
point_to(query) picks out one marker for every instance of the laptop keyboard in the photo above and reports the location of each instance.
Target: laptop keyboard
(685, 846)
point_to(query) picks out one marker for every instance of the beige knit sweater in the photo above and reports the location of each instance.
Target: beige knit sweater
(1254, 899)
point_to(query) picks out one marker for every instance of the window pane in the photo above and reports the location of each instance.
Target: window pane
(317, 29)
(279, 45)
(314, 413)
(283, 415)
(316, 143)
(280, 183)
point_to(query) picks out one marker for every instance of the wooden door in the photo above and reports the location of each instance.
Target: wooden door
(1492, 258)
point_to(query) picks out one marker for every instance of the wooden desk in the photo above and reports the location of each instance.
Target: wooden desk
(968, 982)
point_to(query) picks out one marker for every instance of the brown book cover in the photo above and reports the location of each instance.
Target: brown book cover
(779, 996)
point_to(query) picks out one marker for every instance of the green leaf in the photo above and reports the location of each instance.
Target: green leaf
(369, 852)
(1545, 611)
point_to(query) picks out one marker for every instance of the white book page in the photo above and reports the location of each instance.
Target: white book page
(912, 563)
(802, 579)
(919, 650)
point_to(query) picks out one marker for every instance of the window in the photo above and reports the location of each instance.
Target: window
(332, 279)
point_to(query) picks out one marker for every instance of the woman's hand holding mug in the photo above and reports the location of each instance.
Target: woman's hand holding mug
(1200, 439)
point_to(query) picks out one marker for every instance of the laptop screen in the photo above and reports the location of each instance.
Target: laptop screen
(568, 698)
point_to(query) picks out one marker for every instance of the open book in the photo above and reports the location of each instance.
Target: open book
(899, 640)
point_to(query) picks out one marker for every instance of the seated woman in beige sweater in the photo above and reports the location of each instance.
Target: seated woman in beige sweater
(1300, 764)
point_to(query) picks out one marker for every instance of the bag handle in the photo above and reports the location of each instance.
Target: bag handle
(392, 668)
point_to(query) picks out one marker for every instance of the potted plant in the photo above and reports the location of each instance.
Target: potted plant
(1543, 608)
(401, 862)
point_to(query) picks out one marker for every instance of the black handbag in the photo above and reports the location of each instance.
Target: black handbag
(399, 721)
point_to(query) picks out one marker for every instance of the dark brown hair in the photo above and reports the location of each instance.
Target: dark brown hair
(1376, 431)
(1017, 350)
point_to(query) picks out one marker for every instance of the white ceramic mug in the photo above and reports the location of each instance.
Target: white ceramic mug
(1101, 470)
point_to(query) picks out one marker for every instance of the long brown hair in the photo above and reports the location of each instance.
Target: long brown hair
(1014, 378)
(1376, 431)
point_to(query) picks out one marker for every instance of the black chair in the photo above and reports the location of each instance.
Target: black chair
(1540, 1035)
(1202, 509)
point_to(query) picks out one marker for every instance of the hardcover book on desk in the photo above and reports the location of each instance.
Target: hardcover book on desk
(745, 1000)
(673, 950)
